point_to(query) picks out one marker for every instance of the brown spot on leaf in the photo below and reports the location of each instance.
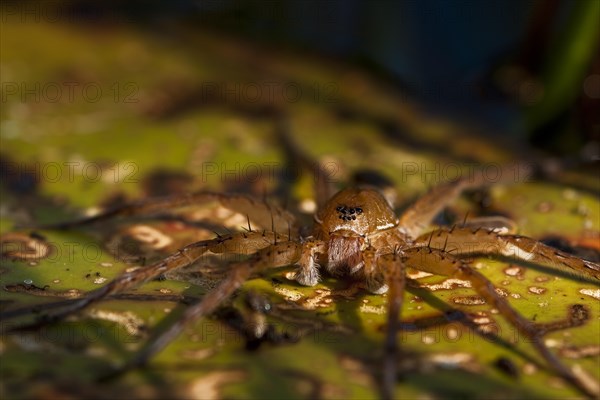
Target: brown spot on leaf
(537, 290)
(514, 271)
(578, 314)
(448, 284)
(24, 247)
(469, 300)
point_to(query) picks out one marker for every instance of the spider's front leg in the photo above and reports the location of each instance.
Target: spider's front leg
(307, 273)
(276, 255)
(465, 242)
(393, 268)
(239, 243)
(420, 215)
(440, 262)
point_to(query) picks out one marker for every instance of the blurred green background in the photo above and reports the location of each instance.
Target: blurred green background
(107, 102)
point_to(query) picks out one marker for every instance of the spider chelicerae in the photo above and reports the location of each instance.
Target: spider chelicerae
(356, 235)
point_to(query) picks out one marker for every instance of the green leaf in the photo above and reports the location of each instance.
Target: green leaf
(83, 154)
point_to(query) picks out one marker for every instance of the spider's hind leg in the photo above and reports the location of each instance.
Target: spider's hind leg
(442, 263)
(466, 242)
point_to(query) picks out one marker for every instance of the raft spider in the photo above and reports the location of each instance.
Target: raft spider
(356, 235)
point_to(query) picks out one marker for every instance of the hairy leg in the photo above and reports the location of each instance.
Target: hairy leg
(442, 263)
(386, 242)
(393, 268)
(297, 157)
(238, 243)
(276, 255)
(255, 209)
(307, 273)
(498, 224)
(374, 275)
(472, 242)
(419, 216)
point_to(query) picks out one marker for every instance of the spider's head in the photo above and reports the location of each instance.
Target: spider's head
(356, 212)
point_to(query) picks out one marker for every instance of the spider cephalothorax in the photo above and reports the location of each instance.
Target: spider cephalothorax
(351, 221)
(348, 213)
(359, 211)
(356, 233)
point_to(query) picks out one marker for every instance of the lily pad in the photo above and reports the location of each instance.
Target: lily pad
(154, 131)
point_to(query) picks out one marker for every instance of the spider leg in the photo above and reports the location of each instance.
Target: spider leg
(392, 266)
(468, 242)
(276, 255)
(378, 245)
(442, 263)
(374, 276)
(307, 273)
(501, 225)
(419, 216)
(239, 243)
(322, 177)
(257, 210)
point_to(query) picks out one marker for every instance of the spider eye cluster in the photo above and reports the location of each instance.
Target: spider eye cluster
(348, 213)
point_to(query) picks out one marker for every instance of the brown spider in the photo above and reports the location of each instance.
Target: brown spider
(356, 235)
